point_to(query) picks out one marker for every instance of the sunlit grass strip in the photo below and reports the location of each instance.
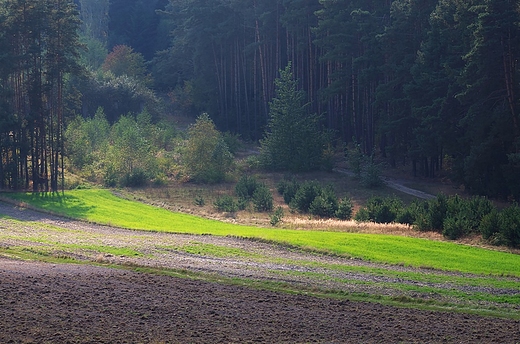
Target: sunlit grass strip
(101, 206)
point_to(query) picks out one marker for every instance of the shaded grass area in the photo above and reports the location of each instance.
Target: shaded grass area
(101, 206)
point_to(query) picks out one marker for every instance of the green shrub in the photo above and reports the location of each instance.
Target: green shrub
(199, 201)
(252, 162)
(232, 141)
(325, 204)
(246, 187)
(383, 210)
(249, 188)
(480, 207)
(437, 209)
(422, 216)
(305, 195)
(135, 178)
(110, 177)
(455, 226)
(355, 159)
(226, 203)
(262, 198)
(327, 159)
(277, 216)
(288, 188)
(206, 156)
(463, 216)
(160, 180)
(362, 215)
(408, 215)
(509, 225)
(489, 225)
(455, 223)
(345, 209)
(371, 174)
(380, 210)
(242, 204)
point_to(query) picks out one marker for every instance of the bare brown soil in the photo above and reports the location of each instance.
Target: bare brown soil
(46, 303)
(52, 303)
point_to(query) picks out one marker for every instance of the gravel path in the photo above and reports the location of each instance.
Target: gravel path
(70, 303)
(394, 184)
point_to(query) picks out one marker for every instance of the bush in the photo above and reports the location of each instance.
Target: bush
(288, 188)
(480, 207)
(226, 203)
(355, 159)
(277, 216)
(199, 201)
(160, 180)
(383, 210)
(408, 215)
(110, 177)
(136, 178)
(489, 225)
(509, 225)
(327, 159)
(325, 204)
(345, 208)
(207, 158)
(464, 217)
(421, 214)
(371, 175)
(262, 198)
(437, 208)
(454, 227)
(362, 215)
(232, 141)
(246, 187)
(305, 195)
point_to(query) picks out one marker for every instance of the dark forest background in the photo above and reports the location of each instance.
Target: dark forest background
(431, 84)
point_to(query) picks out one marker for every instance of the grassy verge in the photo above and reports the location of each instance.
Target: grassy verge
(101, 206)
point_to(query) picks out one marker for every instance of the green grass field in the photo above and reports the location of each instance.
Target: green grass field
(101, 206)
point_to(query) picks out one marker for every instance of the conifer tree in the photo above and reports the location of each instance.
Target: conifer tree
(293, 140)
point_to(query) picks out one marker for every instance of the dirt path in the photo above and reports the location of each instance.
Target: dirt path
(394, 184)
(49, 303)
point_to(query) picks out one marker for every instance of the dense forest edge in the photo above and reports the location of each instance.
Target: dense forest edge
(88, 90)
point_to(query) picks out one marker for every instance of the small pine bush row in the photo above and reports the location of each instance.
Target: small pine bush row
(452, 216)
(312, 198)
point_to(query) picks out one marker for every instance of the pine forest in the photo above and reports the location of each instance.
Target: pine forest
(428, 84)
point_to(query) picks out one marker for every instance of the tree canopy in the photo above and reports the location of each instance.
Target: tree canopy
(432, 84)
(429, 83)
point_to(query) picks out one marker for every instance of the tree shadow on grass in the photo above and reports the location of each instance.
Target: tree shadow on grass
(54, 203)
